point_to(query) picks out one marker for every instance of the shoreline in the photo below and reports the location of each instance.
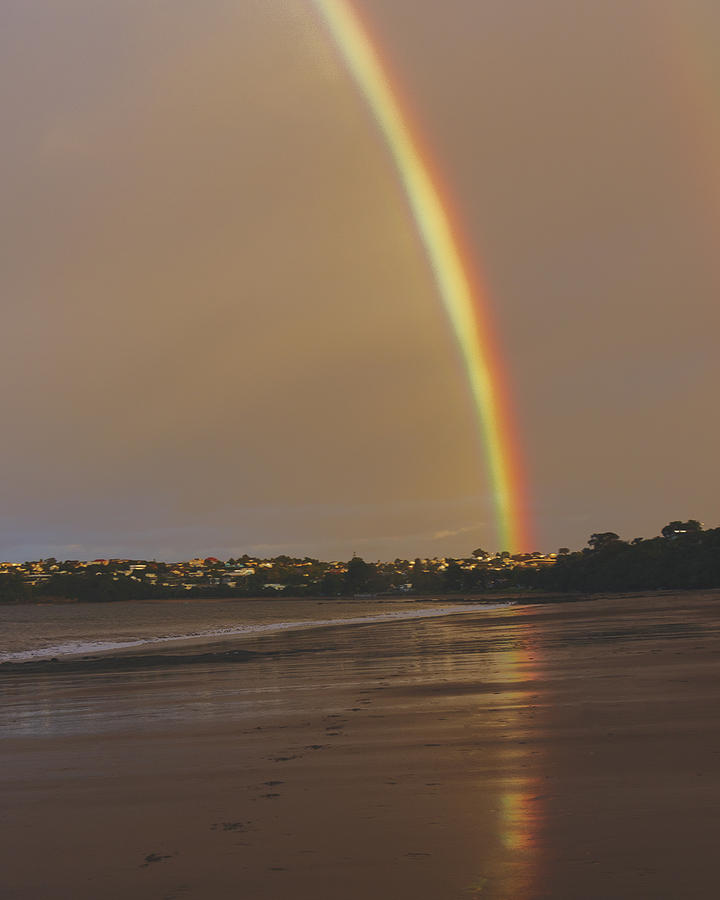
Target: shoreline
(525, 597)
(520, 596)
(457, 597)
(234, 648)
(216, 647)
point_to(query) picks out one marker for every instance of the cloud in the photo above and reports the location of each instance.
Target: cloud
(446, 533)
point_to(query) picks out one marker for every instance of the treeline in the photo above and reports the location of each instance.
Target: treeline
(299, 578)
(13, 588)
(84, 587)
(684, 557)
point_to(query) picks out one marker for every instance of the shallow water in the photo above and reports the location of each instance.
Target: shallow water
(44, 631)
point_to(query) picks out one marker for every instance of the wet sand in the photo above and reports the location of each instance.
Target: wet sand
(551, 751)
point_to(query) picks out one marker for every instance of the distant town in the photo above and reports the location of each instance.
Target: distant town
(684, 555)
(250, 576)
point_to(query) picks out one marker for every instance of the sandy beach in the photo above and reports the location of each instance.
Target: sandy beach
(563, 750)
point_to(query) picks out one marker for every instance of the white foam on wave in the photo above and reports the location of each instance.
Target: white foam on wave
(85, 648)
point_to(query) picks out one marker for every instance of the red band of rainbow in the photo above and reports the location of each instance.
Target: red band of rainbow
(464, 297)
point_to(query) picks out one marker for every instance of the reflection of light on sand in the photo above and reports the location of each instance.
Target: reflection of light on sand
(518, 817)
(519, 806)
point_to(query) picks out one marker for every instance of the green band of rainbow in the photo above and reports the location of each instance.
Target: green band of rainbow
(464, 302)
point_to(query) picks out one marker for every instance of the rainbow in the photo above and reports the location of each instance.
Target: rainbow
(464, 297)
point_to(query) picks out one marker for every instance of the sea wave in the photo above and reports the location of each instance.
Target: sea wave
(91, 647)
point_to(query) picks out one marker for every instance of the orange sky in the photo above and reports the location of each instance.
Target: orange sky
(220, 334)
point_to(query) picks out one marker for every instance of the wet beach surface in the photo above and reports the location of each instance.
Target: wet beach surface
(547, 751)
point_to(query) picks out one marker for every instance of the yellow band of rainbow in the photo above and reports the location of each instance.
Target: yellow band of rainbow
(465, 304)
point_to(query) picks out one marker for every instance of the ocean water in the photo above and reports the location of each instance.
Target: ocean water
(44, 631)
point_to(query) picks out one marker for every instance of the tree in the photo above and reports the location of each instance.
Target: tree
(480, 553)
(453, 576)
(359, 575)
(563, 551)
(331, 585)
(675, 529)
(603, 539)
(88, 588)
(13, 588)
(425, 579)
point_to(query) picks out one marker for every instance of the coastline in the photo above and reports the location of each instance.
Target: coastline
(454, 597)
(120, 638)
(521, 597)
(234, 648)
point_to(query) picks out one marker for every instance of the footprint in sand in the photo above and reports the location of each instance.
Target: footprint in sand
(155, 857)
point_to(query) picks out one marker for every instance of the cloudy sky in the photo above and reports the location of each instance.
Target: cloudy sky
(220, 333)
